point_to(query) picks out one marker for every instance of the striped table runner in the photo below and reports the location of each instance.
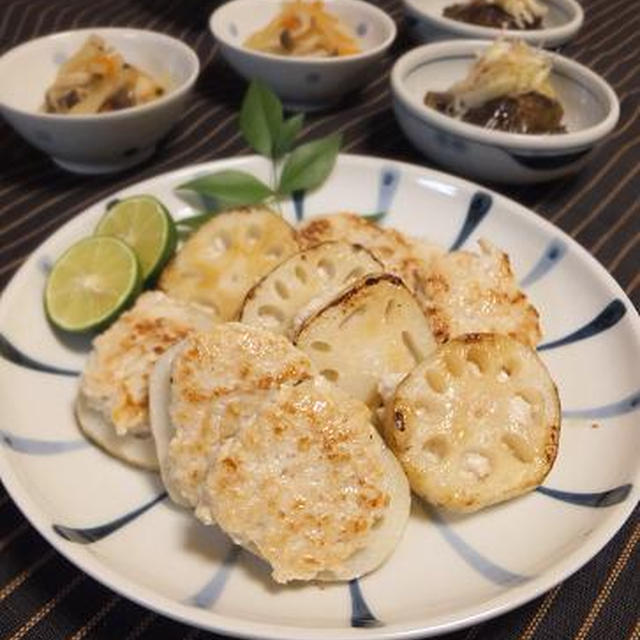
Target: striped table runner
(44, 596)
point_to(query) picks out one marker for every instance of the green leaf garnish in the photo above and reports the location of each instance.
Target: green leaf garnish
(261, 118)
(230, 188)
(288, 131)
(374, 217)
(309, 165)
(267, 132)
(192, 223)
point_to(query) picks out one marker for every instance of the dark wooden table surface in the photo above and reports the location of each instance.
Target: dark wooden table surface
(44, 596)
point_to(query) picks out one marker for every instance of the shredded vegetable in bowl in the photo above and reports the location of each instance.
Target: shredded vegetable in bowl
(505, 68)
(304, 29)
(97, 79)
(508, 89)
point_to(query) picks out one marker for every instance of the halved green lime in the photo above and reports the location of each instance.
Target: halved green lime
(91, 283)
(147, 227)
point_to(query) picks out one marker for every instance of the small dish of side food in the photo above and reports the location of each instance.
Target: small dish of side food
(97, 100)
(546, 23)
(309, 53)
(97, 79)
(501, 111)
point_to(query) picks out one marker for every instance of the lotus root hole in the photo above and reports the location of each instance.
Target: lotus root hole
(254, 233)
(281, 289)
(330, 374)
(436, 381)
(271, 315)
(477, 464)
(455, 364)
(412, 347)
(531, 396)
(354, 274)
(318, 345)
(436, 447)
(388, 310)
(301, 274)
(275, 252)
(518, 447)
(326, 269)
(361, 310)
(221, 242)
(478, 360)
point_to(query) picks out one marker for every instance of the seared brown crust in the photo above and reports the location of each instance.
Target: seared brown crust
(476, 423)
(302, 256)
(462, 292)
(347, 298)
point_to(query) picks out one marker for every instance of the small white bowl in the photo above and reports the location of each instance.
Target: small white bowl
(104, 142)
(427, 23)
(304, 83)
(591, 111)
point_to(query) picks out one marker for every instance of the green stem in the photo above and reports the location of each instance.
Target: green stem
(274, 184)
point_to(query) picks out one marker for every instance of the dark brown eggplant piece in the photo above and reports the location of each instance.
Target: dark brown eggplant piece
(530, 112)
(487, 15)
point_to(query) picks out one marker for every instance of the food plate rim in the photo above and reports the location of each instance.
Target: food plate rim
(240, 627)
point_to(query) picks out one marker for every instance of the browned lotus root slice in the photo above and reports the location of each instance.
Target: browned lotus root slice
(221, 261)
(476, 423)
(369, 338)
(463, 292)
(304, 283)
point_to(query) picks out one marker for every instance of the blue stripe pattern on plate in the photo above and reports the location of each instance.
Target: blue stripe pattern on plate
(361, 615)
(87, 535)
(12, 354)
(607, 318)
(478, 208)
(555, 251)
(389, 181)
(37, 447)
(619, 408)
(209, 594)
(597, 499)
(485, 567)
(297, 197)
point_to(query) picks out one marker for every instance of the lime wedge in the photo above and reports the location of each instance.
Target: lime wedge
(91, 283)
(146, 226)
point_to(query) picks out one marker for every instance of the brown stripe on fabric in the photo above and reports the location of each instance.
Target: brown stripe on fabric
(473, 632)
(610, 164)
(591, 34)
(555, 193)
(633, 285)
(599, 602)
(539, 615)
(115, 10)
(9, 588)
(605, 201)
(622, 251)
(96, 618)
(611, 30)
(631, 74)
(635, 633)
(48, 607)
(194, 633)
(13, 535)
(52, 221)
(624, 43)
(141, 627)
(596, 246)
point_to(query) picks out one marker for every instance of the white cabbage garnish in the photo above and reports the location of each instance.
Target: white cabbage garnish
(523, 11)
(505, 68)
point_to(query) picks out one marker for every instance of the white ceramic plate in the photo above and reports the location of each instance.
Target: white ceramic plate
(447, 572)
